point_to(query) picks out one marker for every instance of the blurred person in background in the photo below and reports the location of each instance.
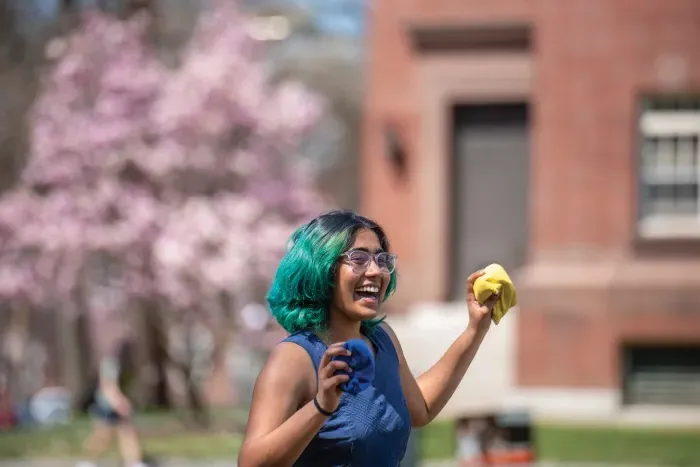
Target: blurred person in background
(328, 289)
(112, 410)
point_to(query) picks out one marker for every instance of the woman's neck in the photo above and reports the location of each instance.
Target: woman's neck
(341, 330)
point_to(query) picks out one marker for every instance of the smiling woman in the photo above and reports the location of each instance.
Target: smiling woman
(306, 285)
(328, 293)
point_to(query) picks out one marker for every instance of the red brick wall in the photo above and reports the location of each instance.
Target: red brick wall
(592, 60)
(572, 336)
(577, 350)
(392, 97)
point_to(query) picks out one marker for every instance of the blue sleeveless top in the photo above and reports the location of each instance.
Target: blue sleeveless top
(368, 429)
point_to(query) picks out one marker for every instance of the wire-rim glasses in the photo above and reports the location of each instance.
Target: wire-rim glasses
(360, 260)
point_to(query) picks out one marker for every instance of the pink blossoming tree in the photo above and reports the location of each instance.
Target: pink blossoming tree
(145, 183)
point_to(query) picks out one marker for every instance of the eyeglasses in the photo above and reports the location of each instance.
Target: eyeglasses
(359, 260)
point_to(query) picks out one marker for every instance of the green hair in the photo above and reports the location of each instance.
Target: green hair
(302, 291)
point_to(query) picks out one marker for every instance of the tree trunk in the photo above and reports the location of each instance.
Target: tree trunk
(198, 409)
(157, 395)
(17, 89)
(155, 332)
(85, 362)
(18, 338)
(195, 402)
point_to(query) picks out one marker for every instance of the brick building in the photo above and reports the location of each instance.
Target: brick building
(559, 138)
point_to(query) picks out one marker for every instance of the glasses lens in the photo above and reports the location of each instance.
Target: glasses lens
(386, 261)
(359, 259)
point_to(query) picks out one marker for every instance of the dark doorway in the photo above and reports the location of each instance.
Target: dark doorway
(490, 176)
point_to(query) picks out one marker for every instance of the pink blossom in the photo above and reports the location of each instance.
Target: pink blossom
(184, 178)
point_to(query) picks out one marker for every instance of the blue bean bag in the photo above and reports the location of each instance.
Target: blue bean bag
(361, 360)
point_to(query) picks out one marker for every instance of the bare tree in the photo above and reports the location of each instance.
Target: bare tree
(17, 89)
(333, 68)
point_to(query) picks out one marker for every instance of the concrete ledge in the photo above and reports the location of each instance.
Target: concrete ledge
(565, 403)
(598, 407)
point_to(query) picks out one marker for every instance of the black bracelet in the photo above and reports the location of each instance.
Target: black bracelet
(321, 409)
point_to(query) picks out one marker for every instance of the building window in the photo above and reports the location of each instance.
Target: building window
(670, 168)
(661, 375)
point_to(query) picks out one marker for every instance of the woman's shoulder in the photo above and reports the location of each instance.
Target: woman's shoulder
(287, 365)
(290, 353)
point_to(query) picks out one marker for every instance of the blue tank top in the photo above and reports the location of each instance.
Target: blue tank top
(368, 429)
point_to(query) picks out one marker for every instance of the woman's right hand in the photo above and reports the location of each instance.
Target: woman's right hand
(329, 391)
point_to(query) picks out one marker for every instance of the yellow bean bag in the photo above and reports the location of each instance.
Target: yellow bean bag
(495, 280)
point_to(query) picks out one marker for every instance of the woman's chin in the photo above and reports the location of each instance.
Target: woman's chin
(365, 311)
(360, 310)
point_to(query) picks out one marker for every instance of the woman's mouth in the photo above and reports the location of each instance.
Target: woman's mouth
(368, 294)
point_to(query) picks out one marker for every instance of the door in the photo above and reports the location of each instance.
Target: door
(490, 189)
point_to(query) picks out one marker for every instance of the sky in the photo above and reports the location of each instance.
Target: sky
(342, 17)
(336, 17)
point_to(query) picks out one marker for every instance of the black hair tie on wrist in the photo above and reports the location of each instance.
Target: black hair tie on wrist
(321, 409)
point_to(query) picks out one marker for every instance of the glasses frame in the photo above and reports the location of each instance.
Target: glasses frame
(373, 257)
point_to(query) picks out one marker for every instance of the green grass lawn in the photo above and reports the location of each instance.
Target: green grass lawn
(164, 436)
(66, 443)
(620, 445)
(669, 447)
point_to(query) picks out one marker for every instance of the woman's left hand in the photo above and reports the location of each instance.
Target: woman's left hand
(479, 315)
